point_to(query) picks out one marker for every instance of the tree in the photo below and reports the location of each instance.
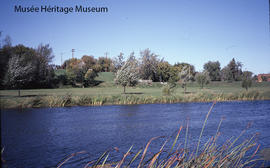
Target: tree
(128, 74)
(60, 77)
(18, 75)
(226, 74)
(71, 77)
(173, 78)
(82, 71)
(164, 71)
(75, 71)
(89, 77)
(89, 61)
(202, 78)
(118, 61)
(185, 75)
(5, 54)
(233, 71)
(247, 80)
(22, 57)
(214, 70)
(44, 72)
(7, 41)
(105, 63)
(148, 64)
(191, 69)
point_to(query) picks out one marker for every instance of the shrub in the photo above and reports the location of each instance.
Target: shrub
(202, 78)
(166, 90)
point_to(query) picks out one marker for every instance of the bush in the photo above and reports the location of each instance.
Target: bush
(167, 90)
(202, 78)
(89, 77)
(246, 83)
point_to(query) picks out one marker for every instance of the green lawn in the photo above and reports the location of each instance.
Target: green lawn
(109, 92)
(192, 88)
(105, 77)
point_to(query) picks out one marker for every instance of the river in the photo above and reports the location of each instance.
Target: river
(43, 137)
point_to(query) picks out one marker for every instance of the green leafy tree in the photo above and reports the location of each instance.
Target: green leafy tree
(44, 74)
(167, 73)
(75, 71)
(60, 77)
(226, 74)
(128, 74)
(214, 70)
(148, 63)
(164, 71)
(233, 71)
(247, 80)
(174, 78)
(89, 77)
(71, 77)
(202, 78)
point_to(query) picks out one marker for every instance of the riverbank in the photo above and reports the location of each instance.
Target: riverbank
(111, 95)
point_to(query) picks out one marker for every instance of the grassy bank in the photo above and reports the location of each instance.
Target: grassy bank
(107, 93)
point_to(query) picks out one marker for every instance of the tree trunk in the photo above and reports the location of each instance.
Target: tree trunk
(124, 89)
(19, 93)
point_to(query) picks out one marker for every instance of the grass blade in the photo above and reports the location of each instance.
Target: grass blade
(203, 127)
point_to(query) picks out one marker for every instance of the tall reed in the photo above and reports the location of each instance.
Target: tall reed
(211, 155)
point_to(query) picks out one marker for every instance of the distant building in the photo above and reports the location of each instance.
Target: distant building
(264, 77)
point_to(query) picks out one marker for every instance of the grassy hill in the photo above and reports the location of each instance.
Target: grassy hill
(106, 78)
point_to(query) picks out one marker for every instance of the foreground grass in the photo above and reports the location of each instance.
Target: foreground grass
(233, 153)
(108, 93)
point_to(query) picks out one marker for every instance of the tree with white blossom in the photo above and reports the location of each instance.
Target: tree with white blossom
(128, 75)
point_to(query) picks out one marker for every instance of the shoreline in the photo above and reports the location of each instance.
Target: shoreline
(124, 99)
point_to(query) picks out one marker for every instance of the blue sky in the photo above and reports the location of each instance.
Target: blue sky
(193, 31)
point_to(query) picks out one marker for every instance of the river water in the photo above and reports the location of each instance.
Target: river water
(43, 137)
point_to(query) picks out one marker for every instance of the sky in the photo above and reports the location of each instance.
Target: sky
(192, 31)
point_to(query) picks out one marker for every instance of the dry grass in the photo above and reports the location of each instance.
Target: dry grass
(122, 99)
(107, 95)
